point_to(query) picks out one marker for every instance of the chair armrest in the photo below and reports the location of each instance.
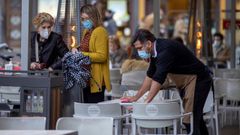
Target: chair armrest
(160, 117)
(122, 116)
(217, 96)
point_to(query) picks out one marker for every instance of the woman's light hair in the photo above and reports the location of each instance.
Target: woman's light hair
(93, 14)
(43, 18)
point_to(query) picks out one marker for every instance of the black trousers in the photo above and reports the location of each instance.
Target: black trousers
(75, 95)
(202, 88)
(89, 97)
(69, 97)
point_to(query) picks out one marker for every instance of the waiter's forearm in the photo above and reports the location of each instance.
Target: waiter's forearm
(155, 87)
(145, 87)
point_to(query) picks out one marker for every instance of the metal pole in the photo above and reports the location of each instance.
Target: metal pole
(134, 11)
(25, 34)
(34, 10)
(206, 40)
(2, 28)
(192, 26)
(57, 27)
(156, 22)
(78, 23)
(233, 32)
(217, 15)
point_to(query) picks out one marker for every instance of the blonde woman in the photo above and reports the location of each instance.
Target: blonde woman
(95, 45)
(46, 45)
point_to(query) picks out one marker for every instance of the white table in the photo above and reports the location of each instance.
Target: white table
(38, 132)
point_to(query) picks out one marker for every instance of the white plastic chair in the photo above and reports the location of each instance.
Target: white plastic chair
(112, 110)
(220, 89)
(211, 112)
(232, 75)
(22, 123)
(159, 98)
(115, 75)
(4, 110)
(220, 72)
(232, 94)
(116, 91)
(86, 125)
(157, 115)
(130, 87)
(134, 78)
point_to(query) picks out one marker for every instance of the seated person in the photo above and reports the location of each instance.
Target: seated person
(133, 72)
(117, 54)
(221, 53)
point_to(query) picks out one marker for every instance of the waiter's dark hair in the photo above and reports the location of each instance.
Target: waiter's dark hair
(143, 35)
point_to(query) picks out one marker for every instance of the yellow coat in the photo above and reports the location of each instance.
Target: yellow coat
(99, 56)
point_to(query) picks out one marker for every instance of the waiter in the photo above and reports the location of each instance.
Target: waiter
(171, 58)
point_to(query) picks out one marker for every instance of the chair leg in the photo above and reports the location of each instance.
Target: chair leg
(216, 124)
(181, 126)
(212, 124)
(139, 132)
(239, 122)
(175, 127)
(224, 112)
(120, 126)
(116, 127)
(127, 118)
(133, 127)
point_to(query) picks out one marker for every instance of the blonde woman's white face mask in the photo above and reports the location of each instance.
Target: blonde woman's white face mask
(44, 30)
(44, 33)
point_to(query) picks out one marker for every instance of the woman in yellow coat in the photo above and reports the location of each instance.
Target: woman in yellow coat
(95, 45)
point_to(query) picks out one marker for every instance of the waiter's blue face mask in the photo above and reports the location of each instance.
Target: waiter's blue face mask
(144, 54)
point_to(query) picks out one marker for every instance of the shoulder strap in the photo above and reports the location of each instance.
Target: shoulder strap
(36, 50)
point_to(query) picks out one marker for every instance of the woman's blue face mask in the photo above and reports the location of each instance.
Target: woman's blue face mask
(87, 24)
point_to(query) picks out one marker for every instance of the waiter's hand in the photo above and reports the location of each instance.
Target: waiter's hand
(129, 99)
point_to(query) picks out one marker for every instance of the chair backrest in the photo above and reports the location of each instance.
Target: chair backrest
(115, 75)
(220, 72)
(174, 94)
(97, 110)
(220, 87)
(208, 106)
(87, 126)
(232, 75)
(4, 110)
(130, 87)
(233, 89)
(117, 92)
(134, 78)
(148, 115)
(22, 123)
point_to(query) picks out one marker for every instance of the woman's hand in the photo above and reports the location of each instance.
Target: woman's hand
(50, 69)
(74, 50)
(34, 66)
(37, 66)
